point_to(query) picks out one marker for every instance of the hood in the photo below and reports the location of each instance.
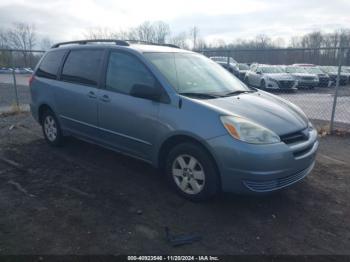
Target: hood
(265, 109)
(280, 76)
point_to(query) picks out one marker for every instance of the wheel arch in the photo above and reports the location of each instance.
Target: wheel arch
(41, 110)
(174, 140)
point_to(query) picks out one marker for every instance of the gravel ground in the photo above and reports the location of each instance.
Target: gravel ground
(82, 199)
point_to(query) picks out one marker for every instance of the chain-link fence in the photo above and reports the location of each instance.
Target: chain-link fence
(326, 103)
(321, 78)
(16, 67)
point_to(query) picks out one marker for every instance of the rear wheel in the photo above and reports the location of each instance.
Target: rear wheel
(51, 128)
(192, 172)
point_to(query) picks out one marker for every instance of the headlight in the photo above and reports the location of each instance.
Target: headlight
(247, 131)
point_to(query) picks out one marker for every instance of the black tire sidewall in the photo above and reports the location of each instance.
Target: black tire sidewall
(59, 138)
(211, 186)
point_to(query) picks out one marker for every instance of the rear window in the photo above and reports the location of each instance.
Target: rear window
(82, 67)
(50, 64)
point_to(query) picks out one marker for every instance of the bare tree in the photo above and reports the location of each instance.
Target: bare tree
(46, 43)
(98, 33)
(180, 40)
(161, 32)
(194, 32)
(22, 36)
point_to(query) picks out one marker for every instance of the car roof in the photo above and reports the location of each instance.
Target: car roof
(142, 48)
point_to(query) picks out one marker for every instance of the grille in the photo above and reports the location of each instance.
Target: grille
(295, 137)
(275, 184)
(285, 84)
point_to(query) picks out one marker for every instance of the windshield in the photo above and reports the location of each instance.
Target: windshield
(243, 67)
(194, 73)
(295, 69)
(271, 70)
(313, 70)
(329, 69)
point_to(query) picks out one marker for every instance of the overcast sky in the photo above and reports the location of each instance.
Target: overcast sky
(226, 19)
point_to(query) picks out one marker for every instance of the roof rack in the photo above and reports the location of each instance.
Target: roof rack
(84, 42)
(149, 43)
(117, 42)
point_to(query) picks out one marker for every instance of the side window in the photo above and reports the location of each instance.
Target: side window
(50, 64)
(82, 67)
(124, 71)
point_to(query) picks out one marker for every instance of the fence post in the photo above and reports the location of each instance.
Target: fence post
(14, 78)
(228, 59)
(340, 56)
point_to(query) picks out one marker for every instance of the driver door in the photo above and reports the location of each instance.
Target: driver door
(127, 123)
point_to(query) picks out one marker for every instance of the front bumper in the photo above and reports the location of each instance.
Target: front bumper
(281, 84)
(248, 168)
(307, 83)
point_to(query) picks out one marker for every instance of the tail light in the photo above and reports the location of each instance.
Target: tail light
(31, 78)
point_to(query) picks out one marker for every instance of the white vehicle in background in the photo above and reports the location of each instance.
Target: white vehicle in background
(231, 65)
(305, 79)
(269, 77)
(324, 79)
(243, 68)
(332, 71)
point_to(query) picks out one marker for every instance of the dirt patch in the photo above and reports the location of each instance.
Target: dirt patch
(82, 199)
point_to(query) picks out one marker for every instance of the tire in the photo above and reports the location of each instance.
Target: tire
(263, 85)
(51, 129)
(192, 172)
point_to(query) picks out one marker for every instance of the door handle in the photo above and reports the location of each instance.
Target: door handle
(105, 98)
(92, 94)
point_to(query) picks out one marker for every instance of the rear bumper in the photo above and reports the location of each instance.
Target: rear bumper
(253, 169)
(35, 112)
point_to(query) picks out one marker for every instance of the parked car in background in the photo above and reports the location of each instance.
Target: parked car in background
(4, 70)
(28, 70)
(231, 66)
(305, 79)
(304, 65)
(177, 110)
(332, 71)
(346, 72)
(324, 79)
(269, 77)
(243, 68)
(21, 70)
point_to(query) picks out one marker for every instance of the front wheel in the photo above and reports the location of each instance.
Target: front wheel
(192, 172)
(262, 85)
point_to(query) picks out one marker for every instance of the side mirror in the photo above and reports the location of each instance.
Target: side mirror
(258, 72)
(146, 92)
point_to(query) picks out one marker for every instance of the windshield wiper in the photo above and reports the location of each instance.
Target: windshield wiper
(199, 95)
(237, 92)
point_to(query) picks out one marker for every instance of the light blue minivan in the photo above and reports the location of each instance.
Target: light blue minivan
(175, 109)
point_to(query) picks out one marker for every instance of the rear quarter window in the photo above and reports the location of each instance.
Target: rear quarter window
(82, 67)
(48, 68)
